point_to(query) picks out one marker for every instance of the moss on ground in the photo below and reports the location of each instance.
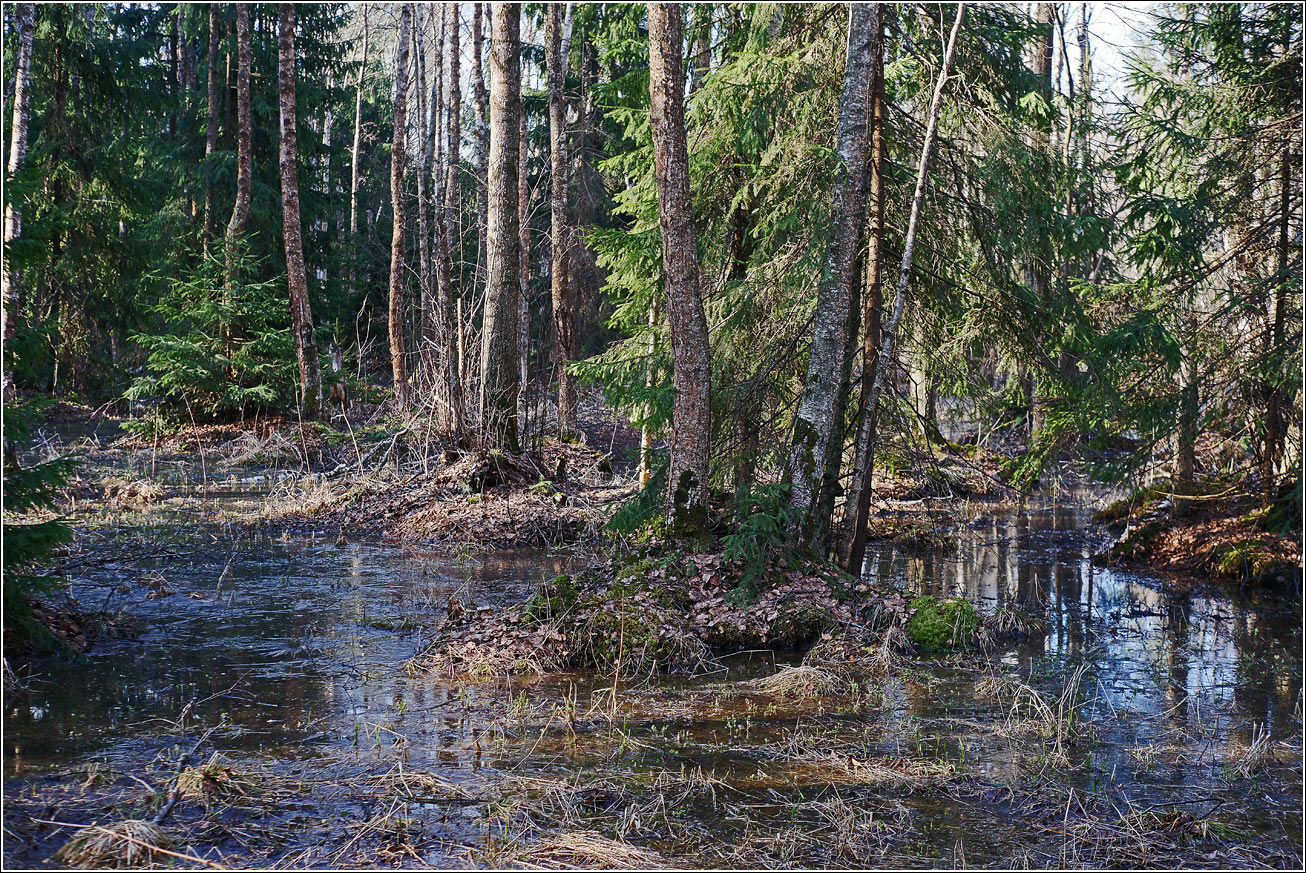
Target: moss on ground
(937, 625)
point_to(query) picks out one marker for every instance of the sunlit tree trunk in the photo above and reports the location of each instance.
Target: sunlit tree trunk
(301, 312)
(884, 356)
(499, 385)
(691, 429)
(427, 320)
(813, 465)
(557, 44)
(857, 507)
(398, 352)
(17, 154)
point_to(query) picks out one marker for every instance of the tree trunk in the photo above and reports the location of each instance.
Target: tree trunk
(557, 44)
(1273, 448)
(244, 155)
(301, 312)
(1181, 486)
(427, 345)
(453, 142)
(524, 262)
(398, 353)
(859, 503)
(482, 136)
(691, 429)
(857, 506)
(211, 130)
(17, 154)
(499, 384)
(1039, 263)
(813, 466)
(353, 156)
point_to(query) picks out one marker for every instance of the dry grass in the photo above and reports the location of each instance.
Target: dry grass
(1256, 756)
(214, 780)
(130, 843)
(578, 850)
(134, 492)
(802, 681)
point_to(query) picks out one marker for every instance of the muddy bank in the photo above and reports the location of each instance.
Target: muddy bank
(1231, 540)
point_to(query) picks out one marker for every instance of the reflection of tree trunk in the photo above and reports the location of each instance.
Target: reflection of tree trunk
(881, 353)
(691, 430)
(813, 463)
(301, 311)
(9, 298)
(557, 43)
(398, 352)
(499, 385)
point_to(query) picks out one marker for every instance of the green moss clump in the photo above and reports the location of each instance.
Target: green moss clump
(1247, 561)
(937, 624)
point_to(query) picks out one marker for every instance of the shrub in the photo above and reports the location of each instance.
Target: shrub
(762, 536)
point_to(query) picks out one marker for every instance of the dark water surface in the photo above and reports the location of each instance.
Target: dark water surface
(291, 650)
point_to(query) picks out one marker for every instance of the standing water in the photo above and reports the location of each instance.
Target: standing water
(286, 654)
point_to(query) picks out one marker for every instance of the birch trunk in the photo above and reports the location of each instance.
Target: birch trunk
(558, 42)
(499, 385)
(813, 466)
(426, 335)
(244, 155)
(866, 433)
(691, 430)
(301, 312)
(353, 155)
(398, 353)
(17, 154)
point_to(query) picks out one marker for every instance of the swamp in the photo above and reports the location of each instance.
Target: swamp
(640, 436)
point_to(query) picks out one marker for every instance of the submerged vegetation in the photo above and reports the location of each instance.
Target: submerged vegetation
(652, 435)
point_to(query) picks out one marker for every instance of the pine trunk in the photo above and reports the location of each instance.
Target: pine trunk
(301, 312)
(691, 429)
(398, 352)
(813, 466)
(866, 435)
(564, 320)
(499, 385)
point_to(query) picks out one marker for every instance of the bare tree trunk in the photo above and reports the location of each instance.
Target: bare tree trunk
(427, 333)
(1273, 448)
(301, 312)
(17, 154)
(524, 262)
(558, 42)
(353, 157)
(691, 429)
(866, 433)
(1039, 263)
(857, 507)
(499, 384)
(244, 155)
(211, 130)
(813, 466)
(398, 353)
(453, 143)
(482, 136)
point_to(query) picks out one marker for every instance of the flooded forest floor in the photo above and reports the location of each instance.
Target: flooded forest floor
(261, 658)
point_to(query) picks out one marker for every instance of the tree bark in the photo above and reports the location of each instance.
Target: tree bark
(813, 466)
(398, 352)
(701, 46)
(17, 154)
(866, 434)
(244, 155)
(558, 42)
(1039, 263)
(353, 156)
(499, 385)
(211, 130)
(301, 311)
(524, 262)
(482, 135)
(691, 431)
(857, 507)
(427, 344)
